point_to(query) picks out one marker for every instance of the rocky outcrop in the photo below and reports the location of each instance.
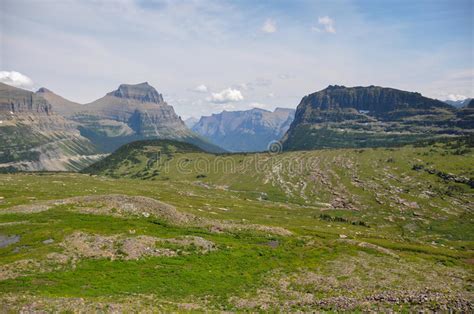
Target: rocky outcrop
(250, 130)
(340, 116)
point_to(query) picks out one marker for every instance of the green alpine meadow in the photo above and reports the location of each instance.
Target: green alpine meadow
(164, 226)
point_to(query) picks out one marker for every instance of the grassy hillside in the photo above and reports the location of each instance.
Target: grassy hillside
(164, 226)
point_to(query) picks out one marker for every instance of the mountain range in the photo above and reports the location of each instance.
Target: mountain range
(459, 103)
(44, 131)
(372, 116)
(245, 131)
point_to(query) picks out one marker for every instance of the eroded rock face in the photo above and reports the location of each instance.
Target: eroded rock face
(139, 106)
(34, 137)
(372, 116)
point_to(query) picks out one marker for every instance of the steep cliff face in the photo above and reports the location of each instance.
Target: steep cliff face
(34, 137)
(16, 100)
(369, 116)
(130, 113)
(140, 107)
(250, 130)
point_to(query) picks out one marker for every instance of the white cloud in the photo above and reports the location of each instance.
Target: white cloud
(16, 79)
(327, 25)
(258, 105)
(201, 88)
(226, 96)
(455, 97)
(269, 26)
(229, 107)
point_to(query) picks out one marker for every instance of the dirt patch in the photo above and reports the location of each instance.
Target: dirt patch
(370, 246)
(138, 303)
(139, 206)
(80, 244)
(28, 208)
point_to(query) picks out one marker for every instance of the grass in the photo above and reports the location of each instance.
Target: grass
(380, 184)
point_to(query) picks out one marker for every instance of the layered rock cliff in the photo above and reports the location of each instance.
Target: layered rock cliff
(34, 137)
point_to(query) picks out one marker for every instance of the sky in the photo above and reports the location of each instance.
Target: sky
(208, 56)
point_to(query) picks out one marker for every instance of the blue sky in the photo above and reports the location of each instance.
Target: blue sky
(208, 56)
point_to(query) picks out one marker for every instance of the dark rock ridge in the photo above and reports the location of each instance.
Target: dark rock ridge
(17, 100)
(385, 103)
(340, 116)
(249, 130)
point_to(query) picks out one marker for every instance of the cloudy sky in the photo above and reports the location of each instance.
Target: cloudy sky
(207, 56)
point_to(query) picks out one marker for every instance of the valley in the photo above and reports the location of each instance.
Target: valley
(353, 229)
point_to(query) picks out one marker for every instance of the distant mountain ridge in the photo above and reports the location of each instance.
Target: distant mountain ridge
(190, 122)
(340, 116)
(245, 131)
(459, 103)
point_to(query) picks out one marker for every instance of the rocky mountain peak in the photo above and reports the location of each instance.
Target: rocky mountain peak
(43, 90)
(142, 92)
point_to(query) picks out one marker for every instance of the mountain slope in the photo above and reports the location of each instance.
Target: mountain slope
(60, 105)
(33, 137)
(131, 113)
(250, 130)
(368, 117)
(190, 122)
